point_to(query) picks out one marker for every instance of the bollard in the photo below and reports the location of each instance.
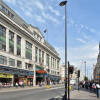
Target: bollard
(48, 86)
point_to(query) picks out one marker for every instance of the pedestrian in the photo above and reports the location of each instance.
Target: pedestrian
(16, 85)
(90, 85)
(0, 85)
(97, 89)
(94, 87)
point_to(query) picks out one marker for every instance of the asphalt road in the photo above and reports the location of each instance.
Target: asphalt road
(33, 94)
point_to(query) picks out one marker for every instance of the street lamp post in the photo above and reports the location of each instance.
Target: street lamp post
(64, 3)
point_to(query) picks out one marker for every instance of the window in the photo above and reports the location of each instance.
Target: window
(11, 42)
(51, 62)
(55, 63)
(19, 64)
(18, 45)
(2, 38)
(28, 50)
(3, 60)
(6, 11)
(28, 66)
(58, 64)
(43, 57)
(11, 62)
(39, 56)
(47, 60)
(36, 54)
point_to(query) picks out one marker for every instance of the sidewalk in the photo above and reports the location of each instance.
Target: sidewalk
(79, 95)
(83, 95)
(11, 89)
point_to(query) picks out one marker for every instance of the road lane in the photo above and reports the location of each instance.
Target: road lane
(33, 94)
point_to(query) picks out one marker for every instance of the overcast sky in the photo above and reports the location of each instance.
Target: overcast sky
(83, 26)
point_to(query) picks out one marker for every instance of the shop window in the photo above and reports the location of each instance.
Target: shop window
(11, 62)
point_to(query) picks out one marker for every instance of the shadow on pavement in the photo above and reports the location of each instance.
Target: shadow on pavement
(70, 99)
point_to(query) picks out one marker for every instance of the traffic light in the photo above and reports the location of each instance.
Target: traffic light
(78, 74)
(71, 69)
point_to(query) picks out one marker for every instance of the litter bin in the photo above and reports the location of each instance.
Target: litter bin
(98, 92)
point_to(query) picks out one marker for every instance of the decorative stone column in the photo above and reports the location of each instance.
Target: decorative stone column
(34, 79)
(23, 48)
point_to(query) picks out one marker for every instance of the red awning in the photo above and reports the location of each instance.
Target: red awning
(41, 71)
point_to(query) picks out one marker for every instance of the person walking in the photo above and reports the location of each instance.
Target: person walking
(16, 85)
(97, 90)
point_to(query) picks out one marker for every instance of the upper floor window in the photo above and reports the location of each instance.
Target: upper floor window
(47, 60)
(36, 54)
(43, 57)
(6, 11)
(58, 64)
(18, 40)
(28, 66)
(39, 56)
(3, 60)
(11, 62)
(11, 42)
(28, 50)
(18, 45)
(19, 64)
(2, 38)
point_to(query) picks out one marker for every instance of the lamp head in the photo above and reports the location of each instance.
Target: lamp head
(63, 3)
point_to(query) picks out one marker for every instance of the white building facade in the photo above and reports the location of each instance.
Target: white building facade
(24, 53)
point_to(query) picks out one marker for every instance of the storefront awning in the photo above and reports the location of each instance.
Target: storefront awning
(15, 71)
(41, 72)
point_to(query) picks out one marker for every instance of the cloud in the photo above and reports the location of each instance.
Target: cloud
(77, 55)
(49, 17)
(92, 30)
(81, 40)
(80, 28)
(39, 19)
(56, 12)
(27, 13)
(39, 5)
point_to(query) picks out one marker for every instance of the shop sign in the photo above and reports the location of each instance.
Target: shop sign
(4, 75)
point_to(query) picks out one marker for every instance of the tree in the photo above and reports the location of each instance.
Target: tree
(86, 78)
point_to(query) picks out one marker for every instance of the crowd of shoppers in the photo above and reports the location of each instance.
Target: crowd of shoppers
(92, 86)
